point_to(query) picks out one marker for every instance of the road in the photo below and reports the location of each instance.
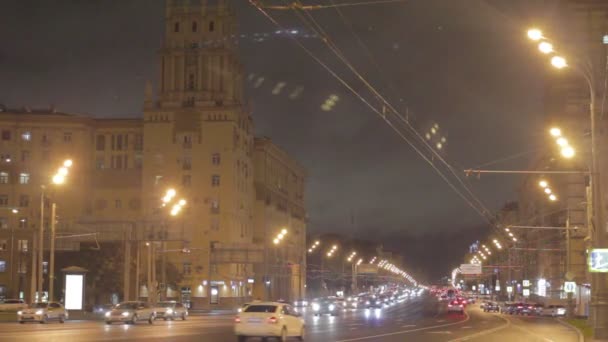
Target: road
(417, 319)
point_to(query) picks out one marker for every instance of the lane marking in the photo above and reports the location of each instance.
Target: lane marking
(467, 327)
(405, 331)
(581, 338)
(439, 332)
(408, 326)
(484, 332)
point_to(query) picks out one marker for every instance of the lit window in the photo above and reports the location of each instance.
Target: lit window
(3, 177)
(6, 157)
(24, 178)
(26, 136)
(2, 266)
(3, 223)
(3, 245)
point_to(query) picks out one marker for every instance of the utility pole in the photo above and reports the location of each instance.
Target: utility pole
(127, 264)
(33, 271)
(52, 253)
(40, 246)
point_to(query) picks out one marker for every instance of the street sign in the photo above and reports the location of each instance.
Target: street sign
(509, 289)
(598, 260)
(470, 269)
(526, 283)
(570, 287)
(526, 292)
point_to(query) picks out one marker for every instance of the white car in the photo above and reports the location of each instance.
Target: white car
(269, 319)
(13, 305)
(170, 310)
(130, 313)
(553, 310)
(42, 313)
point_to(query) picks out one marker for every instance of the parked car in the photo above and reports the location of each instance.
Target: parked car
(130, 313)
(170, 310)
(13, 305)
(269, 319)
(491, 307)
(42, 313)
(554, 311)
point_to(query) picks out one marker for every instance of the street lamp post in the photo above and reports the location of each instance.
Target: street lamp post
(599, 281)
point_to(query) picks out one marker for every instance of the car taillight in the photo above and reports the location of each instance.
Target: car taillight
(460, 305)
(237, 319)
(530, 307)
(449, 305)
(272, 320)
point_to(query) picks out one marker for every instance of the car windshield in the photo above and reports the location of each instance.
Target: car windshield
(126, 306)
(261, 308)
(39, 305)
(166, 304)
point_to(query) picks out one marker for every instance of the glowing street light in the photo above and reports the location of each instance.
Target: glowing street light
(561, 141)
(535, 34)
(552, 197)
(543, 184)
(556, 132)
(548, 191)
(559, 62)
(545, 47)
(568, 152)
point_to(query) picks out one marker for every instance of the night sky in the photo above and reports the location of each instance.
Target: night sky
(463, 64)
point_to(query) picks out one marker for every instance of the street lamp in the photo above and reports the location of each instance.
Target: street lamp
(535, 34)
(545, 47)
(543, 183)
(556, 132)
(568, 152)
(559, 62)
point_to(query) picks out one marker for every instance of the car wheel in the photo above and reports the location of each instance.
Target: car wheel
(283, 337)
(108, 322)
(151, 319)
(62, 319)
(184, 316)
(134, 319)
(166, 318)
(21, 322)
(302, 334)
(241, 338)
(44, 319)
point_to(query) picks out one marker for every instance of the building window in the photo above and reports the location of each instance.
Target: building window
(22, 267)
(194, 26)
(3, 177)
(187, 163)
(45, 139)
(67, 137)
(26, 136)
(211, 26)
(3, 223)
(3, 245)
(215, 224)
(187, 141)
(139, 142)
(25, 156)
(3, 200)
(118, 204)
(5, 157)
(119, 142)
(215, 159)
(100, 143)
(45, 267)
(24, 200)
(158, 179)
(215, 180)
(176, 27)
(6, 134)
(187, 268)
(24, 178)
(139, 161)
(215, 206)
(186, 180)
(22, 245)
(23, 223)
(2, 266)
(100, 162)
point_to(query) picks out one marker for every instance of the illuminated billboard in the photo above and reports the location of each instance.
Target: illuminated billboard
(598, 260)
(74, 285)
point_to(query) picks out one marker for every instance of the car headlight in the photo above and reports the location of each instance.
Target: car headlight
(305, 303)
(331, 307)
(169, 311)
(367, 302)
(19, 312)
(355, 304)
(125, 314)
(39, 312)
(108, 314)
(316, 307)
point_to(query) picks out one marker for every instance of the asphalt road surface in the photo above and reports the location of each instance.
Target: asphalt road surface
(416, 319)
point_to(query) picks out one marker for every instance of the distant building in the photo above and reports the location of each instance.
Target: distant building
(196, 137)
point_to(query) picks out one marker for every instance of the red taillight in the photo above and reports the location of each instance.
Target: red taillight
(449, 305)
(460, 305)
(273, 320)
(530, 307)
(237, 319)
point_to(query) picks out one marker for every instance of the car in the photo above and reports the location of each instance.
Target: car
(491, 307)
(326, 306)
(269, 319)
(170, 310)
(373, 303)
(538, 309)
(518, 308)
(131, 313)
(455, 306)
(554, 311)
(471, 300)
(43, 312)
(300, 303)
(13, 305)
(527, 309)
(102, 309)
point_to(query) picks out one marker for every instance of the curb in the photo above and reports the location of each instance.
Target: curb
(581, 338)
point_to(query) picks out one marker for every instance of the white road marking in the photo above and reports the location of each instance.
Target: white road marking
(408, 326)
(439, 332)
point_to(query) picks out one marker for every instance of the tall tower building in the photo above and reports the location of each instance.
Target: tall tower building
(198, 140)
